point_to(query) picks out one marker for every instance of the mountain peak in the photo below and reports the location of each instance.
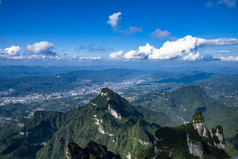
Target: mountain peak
(199, 123)
(107, 95)
(113, 104)
(106, 90)
(198, 117)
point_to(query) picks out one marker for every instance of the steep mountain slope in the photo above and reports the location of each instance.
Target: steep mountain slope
(192, 141)
(223, 88)
(108, 119)
(92, 150)
(24, 139)
(180, 104)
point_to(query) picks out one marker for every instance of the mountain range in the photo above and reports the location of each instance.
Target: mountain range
(182, 103)
(108, 119)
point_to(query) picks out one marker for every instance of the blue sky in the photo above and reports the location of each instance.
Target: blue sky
(80, 28)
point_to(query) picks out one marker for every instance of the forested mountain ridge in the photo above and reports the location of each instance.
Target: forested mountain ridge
(192, 140)
(108, 119)
(182, 103)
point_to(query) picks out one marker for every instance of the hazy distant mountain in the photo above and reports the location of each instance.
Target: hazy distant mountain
(22, 71)
(65, 81)
(16, 71)
(180, 78)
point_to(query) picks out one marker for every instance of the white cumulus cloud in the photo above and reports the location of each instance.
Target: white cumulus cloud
(116, 55)
(183, 49)
(187, 45)
(13, 50)
(160, 34)
(113, 19)
(142, 53)
(191, 57)
(132, 54)
(147, 49)
(42, 47)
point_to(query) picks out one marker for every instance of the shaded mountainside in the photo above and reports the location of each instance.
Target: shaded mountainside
(180, 104)
(24, 139)
(193, 140)
(92, 150)
(108, 120)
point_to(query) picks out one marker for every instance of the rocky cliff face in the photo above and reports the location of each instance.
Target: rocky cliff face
(201, 128)
(218, 137)
(195, 148)
(214, 137)
(199, 124)
(192, 140)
